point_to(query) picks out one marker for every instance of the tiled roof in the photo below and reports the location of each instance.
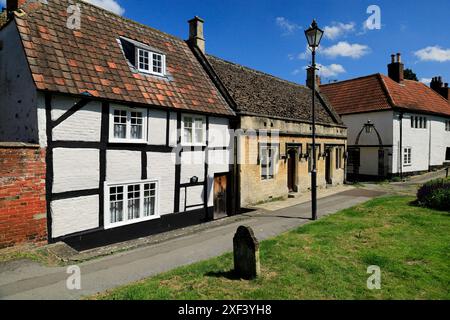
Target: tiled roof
(91, 60)
(379, 92)
(258, 93)
(415, 95)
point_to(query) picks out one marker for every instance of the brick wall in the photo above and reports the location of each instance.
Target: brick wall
(23, 215)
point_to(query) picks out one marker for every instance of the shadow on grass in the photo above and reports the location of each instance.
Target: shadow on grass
(230, 275)
(417, 204)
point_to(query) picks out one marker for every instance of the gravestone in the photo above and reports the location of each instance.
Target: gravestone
(246, 254)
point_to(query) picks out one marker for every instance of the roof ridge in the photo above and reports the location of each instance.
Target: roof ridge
(349, 80)
(389, 96)
(258, 72)
(128, 20)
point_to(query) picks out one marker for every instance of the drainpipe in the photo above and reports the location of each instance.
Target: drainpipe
(401, 145)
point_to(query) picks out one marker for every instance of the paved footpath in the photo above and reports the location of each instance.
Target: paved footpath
(29, 280)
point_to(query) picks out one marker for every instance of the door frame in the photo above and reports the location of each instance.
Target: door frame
(297, 148)
(229, 201)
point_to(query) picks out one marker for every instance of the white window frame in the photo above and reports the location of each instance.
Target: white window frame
(194, 120)
(128, 138)
(275, 158)
(125, 222)
(407, 152)
(150, 62)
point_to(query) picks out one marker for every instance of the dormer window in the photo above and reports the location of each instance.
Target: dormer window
(151, 62)
(143, 57)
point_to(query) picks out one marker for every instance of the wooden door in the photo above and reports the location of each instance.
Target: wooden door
(328, 166)
(220, 196)
(291, 170)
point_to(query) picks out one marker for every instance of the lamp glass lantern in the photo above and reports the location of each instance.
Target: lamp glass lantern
(314, 35)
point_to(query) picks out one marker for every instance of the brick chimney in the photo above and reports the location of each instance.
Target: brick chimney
(196, 36)
(395, 68)
(309, 75)
(441, 88)
(13, 5)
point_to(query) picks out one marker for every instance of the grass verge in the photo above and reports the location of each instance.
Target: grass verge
(327, 259)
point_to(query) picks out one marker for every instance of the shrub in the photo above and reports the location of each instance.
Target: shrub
(435, 194)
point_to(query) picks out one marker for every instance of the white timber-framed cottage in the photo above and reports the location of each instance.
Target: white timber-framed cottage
(136, 136)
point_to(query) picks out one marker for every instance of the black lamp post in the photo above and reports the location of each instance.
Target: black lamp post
(314, 35)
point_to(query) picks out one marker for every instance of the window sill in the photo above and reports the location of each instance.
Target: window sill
(129, 222)
(127, 141)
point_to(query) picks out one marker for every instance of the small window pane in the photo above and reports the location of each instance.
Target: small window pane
(199, 130)
(188, 129)
(136, 125)
(120, 124)
(157, 63)
(116, 204)
(134, 202)
(144, 59)
(149, 199)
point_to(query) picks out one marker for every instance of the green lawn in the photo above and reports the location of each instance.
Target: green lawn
(327, 259)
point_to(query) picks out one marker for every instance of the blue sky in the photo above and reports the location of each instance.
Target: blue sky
(268, 35)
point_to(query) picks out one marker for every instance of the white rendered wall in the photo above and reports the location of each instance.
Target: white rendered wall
(74, 215)
(75, 169)
(161, 166)
(83, 125)
(428, 145)
(18, 96)
(383, 121)
(157, 127)
(123, 166)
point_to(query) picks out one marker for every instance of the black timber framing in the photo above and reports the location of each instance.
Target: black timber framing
(88, 238)
(176, 204)
(78, 106)
(104, 136)
(49, 164)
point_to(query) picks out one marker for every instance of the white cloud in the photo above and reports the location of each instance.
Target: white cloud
(435, 53)
(427, 81)
(286, 25)
(110, 5)
(345, 49)
(338, 30)
(332, 70)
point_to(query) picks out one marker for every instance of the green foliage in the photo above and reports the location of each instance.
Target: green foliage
(435, 194)
(410, 75)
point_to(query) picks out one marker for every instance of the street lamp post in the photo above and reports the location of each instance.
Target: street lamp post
(314, 35)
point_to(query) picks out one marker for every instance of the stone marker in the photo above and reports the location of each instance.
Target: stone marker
(246, 254)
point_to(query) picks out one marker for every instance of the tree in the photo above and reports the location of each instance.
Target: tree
(410, 75)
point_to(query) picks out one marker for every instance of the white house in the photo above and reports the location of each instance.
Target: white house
(136, 135)
(395, 126)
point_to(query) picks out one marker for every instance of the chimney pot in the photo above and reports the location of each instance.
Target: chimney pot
(196, 36)
(13, 5)
(396, 69)
(309, 77)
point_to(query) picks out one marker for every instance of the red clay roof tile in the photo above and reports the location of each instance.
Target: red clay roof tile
(91, 59)
(379, 92)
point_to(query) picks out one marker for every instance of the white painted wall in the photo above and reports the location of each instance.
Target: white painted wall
(75, 169)
(18, 96)
(161, 166)
(74, 215)
(84, 125)
(157, 127)
(382, 121)
(219, 136)
(420, 140)
(192, 164)
(123, 166)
